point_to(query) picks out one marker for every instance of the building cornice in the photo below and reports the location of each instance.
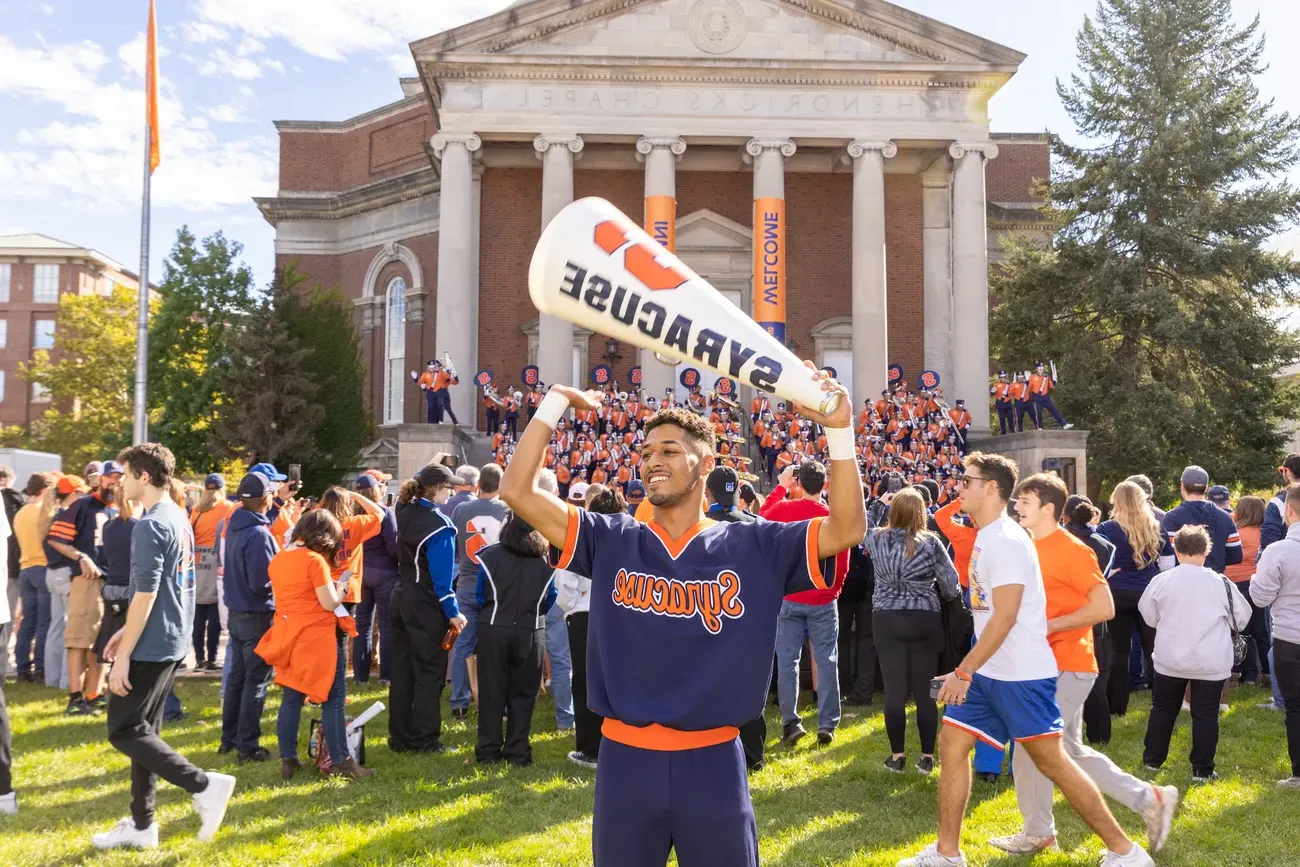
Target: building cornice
(714, 71)
(333, 126)
(292, 205)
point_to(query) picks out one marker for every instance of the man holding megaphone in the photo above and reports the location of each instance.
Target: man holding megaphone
(683, 626)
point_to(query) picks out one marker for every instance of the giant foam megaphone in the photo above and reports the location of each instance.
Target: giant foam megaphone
(596, 268)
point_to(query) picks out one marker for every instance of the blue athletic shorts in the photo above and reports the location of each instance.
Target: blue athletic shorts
(997, 711)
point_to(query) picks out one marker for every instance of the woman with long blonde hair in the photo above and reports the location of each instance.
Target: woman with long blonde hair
(1139, 548)
(912, 571)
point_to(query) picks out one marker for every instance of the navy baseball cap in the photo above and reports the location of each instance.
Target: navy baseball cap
(365, 480)
(214, 481)
(723, 483)
(635, 488)
(254, 485)
(111, 467)
(269, 471)
(1219, 494)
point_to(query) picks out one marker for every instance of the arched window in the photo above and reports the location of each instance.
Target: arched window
(394, 350)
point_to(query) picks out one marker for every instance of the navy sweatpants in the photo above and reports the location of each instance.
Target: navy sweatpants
(695, 802)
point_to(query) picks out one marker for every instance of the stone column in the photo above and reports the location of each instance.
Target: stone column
(970, 281)
(456, 330)
(660, 156)
(769, 156)
(555, 336)
(870, 308)
(936, 235)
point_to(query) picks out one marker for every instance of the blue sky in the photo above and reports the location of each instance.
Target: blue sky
(71, 98)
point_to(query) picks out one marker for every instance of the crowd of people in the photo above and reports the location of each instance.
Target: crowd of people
(1007, 600)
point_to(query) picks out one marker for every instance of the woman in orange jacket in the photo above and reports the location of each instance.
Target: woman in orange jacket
(301, 643)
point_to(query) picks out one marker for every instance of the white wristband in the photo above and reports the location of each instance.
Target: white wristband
(839, 442)
(551, 409)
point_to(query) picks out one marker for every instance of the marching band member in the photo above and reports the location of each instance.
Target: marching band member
(1001, 392)
(1041, 384)
(1020, 396)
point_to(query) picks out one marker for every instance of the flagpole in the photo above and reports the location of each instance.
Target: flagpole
(141, 429)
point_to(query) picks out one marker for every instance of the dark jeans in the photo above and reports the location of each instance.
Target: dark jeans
(442, 399)
(432, 411)
(1166, 700)
(858, 660)
(1258, 640)
(333, 725)
(909, 643)
(509, 676)
(1286, 672)
(374, 606)
(419, 670)
(207, 619)
(6, 746)
(1121, 643)
(134, 721)
(586, 722)
(241, 708)
(1096, 709)
(30, 649)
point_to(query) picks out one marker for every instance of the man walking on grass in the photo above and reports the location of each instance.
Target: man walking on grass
(1078, 598)
(147, 652)
(1005, 688)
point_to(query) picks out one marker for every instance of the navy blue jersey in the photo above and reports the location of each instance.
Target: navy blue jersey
(682, 632)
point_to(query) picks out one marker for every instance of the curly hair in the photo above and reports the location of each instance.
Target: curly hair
(319, 531)
(519, 537)
(696, 426)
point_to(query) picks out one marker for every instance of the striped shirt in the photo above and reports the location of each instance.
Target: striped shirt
(904, 583)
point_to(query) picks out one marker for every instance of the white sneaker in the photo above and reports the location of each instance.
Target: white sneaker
(930, 857)
(1023, 844)
(580, 758)
(1137, 857)
(1158, 812)
(211, 803)
(1068, 426)
(9, 804)
(124, 833)
(1288, 783)
(1223, 708)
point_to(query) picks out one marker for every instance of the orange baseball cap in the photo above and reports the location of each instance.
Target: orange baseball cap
(70, 484)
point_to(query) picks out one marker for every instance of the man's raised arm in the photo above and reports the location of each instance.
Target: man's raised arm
(544, 511)
(847, 524)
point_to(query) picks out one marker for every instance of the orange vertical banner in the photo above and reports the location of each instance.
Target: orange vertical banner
(769, 265)
(661, 220)
(151, 88)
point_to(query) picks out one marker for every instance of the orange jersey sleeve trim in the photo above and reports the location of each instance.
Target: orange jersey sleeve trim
(814, 562)
(664, 739)
(570, 540)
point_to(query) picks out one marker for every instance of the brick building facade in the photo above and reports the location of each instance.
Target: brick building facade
(874, 124)
(35, 271)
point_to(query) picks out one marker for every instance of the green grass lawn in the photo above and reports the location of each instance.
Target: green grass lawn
(815, 806)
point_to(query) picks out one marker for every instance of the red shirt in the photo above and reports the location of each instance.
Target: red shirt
(777, 508)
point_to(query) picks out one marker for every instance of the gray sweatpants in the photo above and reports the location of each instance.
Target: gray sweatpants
(1034, 791)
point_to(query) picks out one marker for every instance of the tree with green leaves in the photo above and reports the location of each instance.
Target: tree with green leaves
(270, 409)
(1158, 296)
(89, 377)
(321, 321)
(207, 295)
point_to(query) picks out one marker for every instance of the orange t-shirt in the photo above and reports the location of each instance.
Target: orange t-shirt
(356, 529)
(295, 574)
(205, 523)
(1069, 571)
(1245, 570)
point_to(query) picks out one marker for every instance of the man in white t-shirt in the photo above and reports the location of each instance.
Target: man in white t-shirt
(1005, 688)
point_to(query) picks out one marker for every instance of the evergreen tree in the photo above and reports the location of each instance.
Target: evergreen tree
(270, 410)
(207, 293)
(321, 321)
(1157, 297)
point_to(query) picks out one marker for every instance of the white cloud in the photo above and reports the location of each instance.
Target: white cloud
(89, 152)
(334, 29)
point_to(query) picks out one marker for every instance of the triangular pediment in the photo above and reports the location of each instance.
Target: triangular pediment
(705, 230)
(761, 30)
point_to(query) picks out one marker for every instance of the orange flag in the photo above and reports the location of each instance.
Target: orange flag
(151, 87)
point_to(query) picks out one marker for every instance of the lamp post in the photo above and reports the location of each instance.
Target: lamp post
(611, 351)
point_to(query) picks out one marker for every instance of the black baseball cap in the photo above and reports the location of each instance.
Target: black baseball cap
(253, 486)
(435, 475)
(723, 484)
